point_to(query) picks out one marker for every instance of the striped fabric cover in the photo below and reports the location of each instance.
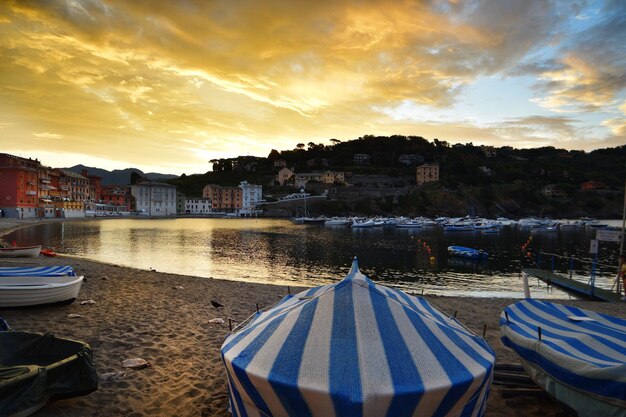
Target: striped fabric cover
(355, 348)
(36, 271)
(589, 356)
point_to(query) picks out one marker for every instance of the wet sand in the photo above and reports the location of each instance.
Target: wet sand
(164, 319)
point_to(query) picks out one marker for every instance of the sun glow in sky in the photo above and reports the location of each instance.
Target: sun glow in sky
(166, 86)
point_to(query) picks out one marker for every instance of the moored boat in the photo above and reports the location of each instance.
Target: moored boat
(358, 223)
(20, 251)
(337, 221)
(465, 252)
(577, 356)
(38, 368)
(356, 348)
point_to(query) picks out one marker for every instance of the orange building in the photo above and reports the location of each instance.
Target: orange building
(19, 180)
(427, 173)
(228, 199)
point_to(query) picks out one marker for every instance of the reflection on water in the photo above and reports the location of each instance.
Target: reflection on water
(279, 252)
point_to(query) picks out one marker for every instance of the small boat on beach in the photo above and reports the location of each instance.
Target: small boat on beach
(37, 271)
(356, 348)
(20, 251)
(48, 252)
(577, 356)
(31, 290)
(465, 252)
(36, 369)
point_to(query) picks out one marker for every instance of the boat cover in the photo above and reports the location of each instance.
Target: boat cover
(36, 271)
(355, 348)
(580, 348)
(36, 368)
(467, 252)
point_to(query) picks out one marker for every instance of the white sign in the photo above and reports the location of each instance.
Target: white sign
(609, 235)
(593, 249)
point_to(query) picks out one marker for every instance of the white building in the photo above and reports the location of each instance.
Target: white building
(154, 198)
(198, 206)
(251, 195)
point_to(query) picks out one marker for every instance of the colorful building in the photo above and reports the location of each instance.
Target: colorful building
(19, 186)
(427, 173)
(226, 199)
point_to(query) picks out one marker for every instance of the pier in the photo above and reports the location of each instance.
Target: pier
(573, 286)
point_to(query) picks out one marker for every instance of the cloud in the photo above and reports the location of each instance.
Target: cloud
(47, 135)
(588, 71)
(117, 76)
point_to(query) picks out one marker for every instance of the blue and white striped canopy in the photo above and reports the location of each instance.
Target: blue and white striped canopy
(579, 349)
(355, 348)
(36, 271)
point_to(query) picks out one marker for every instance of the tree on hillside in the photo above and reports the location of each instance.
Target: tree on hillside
(274, 155)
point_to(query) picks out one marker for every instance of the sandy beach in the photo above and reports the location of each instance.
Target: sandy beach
(164, 319)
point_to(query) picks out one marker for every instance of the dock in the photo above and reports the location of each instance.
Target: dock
(570, 285)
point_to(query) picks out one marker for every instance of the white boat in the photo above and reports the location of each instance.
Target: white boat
(458, 227)
(362, 223)
(337, 221)
(20, 251)
(23, 291)
(414, 224)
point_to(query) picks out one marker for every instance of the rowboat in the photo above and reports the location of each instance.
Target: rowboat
(20, 251)
(356, 348)
(28, 291)
(48, 252)
(38, 368)
(577, 356)
(38, 271)
(465, 252)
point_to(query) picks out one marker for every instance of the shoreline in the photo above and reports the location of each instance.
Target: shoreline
(164, 319)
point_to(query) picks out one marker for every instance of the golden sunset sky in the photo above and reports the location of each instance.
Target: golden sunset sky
(165, 86)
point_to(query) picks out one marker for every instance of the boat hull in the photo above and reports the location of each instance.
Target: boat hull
(575, 355)
(20, 252)
(38, 368)
(584, 404)
(30, 291)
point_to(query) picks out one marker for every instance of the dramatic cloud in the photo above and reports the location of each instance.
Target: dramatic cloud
(177, 83)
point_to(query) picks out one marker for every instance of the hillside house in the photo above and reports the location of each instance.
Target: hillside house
(284, 175)
(427, 173)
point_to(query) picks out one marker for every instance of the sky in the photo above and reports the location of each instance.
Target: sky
(166, 86)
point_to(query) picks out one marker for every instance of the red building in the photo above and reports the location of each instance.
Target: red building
(592, 186)
(95, 186)
(19, 180)
(117, 195)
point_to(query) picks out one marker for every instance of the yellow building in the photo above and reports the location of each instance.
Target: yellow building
(427, 173)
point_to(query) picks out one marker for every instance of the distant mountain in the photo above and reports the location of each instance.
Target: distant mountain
(119, 176)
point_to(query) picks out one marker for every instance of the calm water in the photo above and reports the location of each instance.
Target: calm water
(280, 252)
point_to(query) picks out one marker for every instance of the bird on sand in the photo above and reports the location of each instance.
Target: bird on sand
(216, 304)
